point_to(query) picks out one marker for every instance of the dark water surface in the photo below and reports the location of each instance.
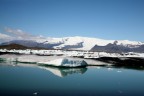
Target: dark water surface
(32, 80)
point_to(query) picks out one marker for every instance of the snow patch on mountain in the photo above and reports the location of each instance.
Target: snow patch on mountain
(127, 43)
(87, 43)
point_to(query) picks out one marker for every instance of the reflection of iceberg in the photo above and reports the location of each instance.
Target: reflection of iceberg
(62, 72)
(66, 62)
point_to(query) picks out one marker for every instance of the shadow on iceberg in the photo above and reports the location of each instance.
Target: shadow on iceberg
(62, 72)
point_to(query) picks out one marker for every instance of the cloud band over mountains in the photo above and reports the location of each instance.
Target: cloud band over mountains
(17, 34)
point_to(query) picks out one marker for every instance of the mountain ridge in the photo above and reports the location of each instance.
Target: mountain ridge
(77, 43)
(17, 47)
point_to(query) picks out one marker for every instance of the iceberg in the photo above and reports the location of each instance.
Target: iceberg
(65, 62)
(59, 61)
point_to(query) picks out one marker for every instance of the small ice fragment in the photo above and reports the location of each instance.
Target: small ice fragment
(35, 93)
(109, 69)
(119, 71)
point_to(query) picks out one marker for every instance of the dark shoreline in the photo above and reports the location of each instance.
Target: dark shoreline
(124, 62)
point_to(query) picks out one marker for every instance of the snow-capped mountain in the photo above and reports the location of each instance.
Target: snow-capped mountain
(76, 43)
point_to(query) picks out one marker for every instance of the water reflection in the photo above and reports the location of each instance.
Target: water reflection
(62, 72)
(24, 79)
(140, 68)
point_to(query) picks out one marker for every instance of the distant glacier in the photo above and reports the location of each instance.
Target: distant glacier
(82, 43)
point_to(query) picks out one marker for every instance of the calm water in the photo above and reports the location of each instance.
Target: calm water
(32, 80)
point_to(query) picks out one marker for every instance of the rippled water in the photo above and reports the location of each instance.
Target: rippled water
(32, 80)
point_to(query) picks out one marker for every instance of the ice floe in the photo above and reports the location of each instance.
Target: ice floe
(65, 62)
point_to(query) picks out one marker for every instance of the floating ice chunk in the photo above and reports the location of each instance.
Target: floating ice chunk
(66, 62)
(35, 93)
(119, 71)
(110, 69)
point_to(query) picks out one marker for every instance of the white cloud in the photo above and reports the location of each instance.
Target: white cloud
(18, 33)
(5, 38)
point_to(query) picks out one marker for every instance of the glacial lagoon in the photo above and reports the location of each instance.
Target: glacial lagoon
(33, 80)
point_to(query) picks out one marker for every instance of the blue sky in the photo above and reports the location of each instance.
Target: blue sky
(106, 19)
